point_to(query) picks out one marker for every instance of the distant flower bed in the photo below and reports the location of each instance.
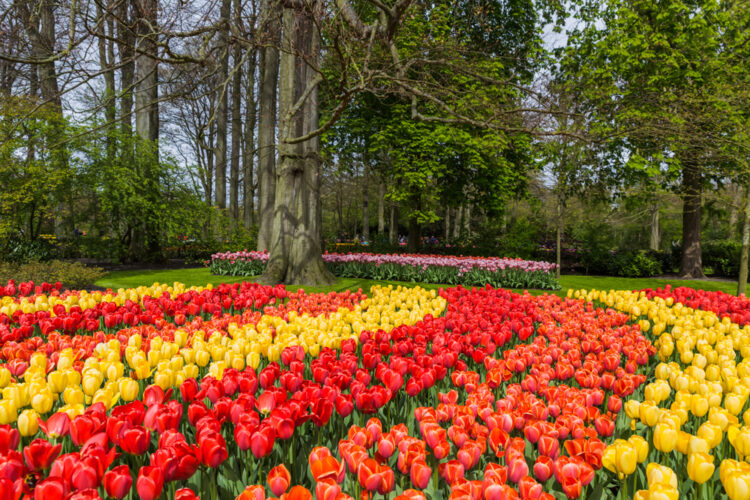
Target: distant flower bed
(450, 270)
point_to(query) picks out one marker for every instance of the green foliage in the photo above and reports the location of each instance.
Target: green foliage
(723, 257)
(20, 250)
(72, 275)
(635, 264)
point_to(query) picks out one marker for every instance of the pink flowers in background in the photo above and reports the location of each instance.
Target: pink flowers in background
(463, 264)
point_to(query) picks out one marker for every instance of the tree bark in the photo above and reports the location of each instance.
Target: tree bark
(234, 168)
(248, 162)
(732, 191)
(393, 225)
(415, 228)
(457, 223)
(467, 220)
(559, 234)
(447, 234)
(742, 278)
(691, 265)
(269, 74)
(106, 62)
(145, 235)
(296, 249)
(381, 208)
(125, 45)
(220, 165)
(365, 204)
(655, 238)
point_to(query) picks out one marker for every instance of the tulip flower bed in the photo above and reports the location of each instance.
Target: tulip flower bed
(449, 270)
(253, 392)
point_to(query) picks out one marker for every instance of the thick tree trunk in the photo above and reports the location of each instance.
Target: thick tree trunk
(365, 204)
(220, 165)
(296, 246)
(742, 278)
(393, 225)
(144, 242)
(381, 208)
(655, 238)
(234, 163)
(248, 163)
(691, 265)
(269, 74)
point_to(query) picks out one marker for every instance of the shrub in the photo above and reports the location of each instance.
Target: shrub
(21, 250)
(635, 264)
(723, 257)
(73, 275)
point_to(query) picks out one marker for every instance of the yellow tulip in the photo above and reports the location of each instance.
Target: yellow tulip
(700, 467)
(28, 423)
(129, 389)
(665, 437)
(641, 447)
(660, 474)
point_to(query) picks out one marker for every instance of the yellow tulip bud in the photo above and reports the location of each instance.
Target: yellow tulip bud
(42, 402)
(202, 358)
(698, 406)
(710, 433)
(28, 423)
(4, 377)
(128, 388)
(253, 360)
(663, 492)
(697, 445)
(626, 458)
(8, 411)
(641, 446)
(665, 437)
(700, 467)
(660, 474)
(73, 395)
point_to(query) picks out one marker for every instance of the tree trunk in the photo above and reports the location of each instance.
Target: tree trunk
(467, 220)
(295, 246)
(269, 74)
(415, 229)
(559, 235)
(249, 151)
(106, 62)
(365, 205)
(732, 191)
(234, 164)
(447, 235)
(742, 278)
(691, 265)
(381, 208)
(457, 223)
(125, 45)
(145, 238)
(655, 239)
(220, 165)
(393, 225)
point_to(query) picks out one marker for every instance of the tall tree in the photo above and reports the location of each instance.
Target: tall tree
(220, 164)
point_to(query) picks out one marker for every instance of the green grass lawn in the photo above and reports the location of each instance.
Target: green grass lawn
(202, 276)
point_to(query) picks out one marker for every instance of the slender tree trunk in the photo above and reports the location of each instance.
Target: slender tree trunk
(447, 234)
(733, 193)
(365, 204)
(467, 220)
(248, 162)
(655, 239)
(234, 168)
(220, 165)
(742, 278)
(125, 45)
(559, 234)
(296, 250)
(691, 265)
(414, 237)
(457, 223)
(269, 74)
(381, 208)
(106, 62)
(393, 225)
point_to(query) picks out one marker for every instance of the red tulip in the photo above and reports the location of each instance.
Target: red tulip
(517, 469)
(529, 489)
(118, 482)
(213, 449)
(9, 439)
(135, 440)
(327, 489)
(149, 483)
(262, 440)
(52, 488)
(279, 480)
(420, 474)
(451, 471)
(297, 493)
(40, 454)
(185, 494)
(369, 474)
(411, 495)
(543, 468)
(58, 425)
(254, 492)
(327, 467)
(549, 446)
